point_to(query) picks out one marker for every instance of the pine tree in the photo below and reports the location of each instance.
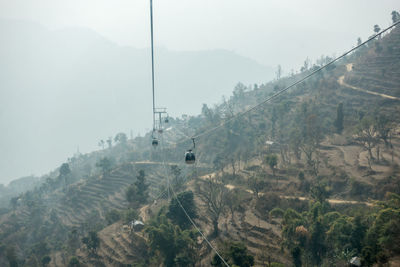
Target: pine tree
(339, 119)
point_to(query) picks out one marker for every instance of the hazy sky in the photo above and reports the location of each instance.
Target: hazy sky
(271, 31)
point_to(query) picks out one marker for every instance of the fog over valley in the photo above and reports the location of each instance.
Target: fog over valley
(66, 89)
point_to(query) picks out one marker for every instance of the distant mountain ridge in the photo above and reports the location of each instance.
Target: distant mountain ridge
(72, 87)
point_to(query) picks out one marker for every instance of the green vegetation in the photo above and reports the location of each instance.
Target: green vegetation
(176, 213)
(137, 193)
(113, 216)
(121, 138)
(91, 241)
(105, 165)
(272, 161)
(177, 247)
(11, 257)
(130, 215)
(339, 119)
(322, 235)
(235, 253)
(64, 169)
(46, 260)
(74, 262)
(395, 16)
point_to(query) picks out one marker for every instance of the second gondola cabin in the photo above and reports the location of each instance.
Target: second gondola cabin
(154, 142)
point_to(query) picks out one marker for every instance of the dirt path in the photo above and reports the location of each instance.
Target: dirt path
(335, 201)
(201, 165)
(143, 213)
(341, 82)
(349, 67)
(331, 201)
(350, 157)
(153, 163)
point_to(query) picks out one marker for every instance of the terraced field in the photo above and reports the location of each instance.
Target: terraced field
(378, 71)
(95, 196)
(118, 247)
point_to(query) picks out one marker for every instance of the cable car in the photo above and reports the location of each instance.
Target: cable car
(154, 142)
(160, 131)
(190, 158)
(166, 120)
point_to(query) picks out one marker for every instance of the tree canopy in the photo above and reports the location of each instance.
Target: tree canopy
(175, 212)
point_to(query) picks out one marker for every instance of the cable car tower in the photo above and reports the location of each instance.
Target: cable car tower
(162, 115)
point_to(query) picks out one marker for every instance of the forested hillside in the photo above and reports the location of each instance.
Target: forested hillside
(311, 178)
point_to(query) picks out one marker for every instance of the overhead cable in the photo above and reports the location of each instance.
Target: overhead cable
(184, 210)
(152, 63)
(240, 114)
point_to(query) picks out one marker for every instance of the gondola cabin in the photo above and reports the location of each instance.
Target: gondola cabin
(190, 158)
(154, 142)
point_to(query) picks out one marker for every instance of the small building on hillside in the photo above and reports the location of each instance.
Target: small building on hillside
(137, 225)
(272, 146)
(355, 261)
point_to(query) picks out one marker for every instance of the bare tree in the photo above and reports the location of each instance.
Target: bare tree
(233, 201)
(295, 140)
(367, 135)
(311, 142)
(256, 184)
(214, 194)
(384, 127)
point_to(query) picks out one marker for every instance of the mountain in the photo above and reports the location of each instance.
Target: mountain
(69, 88)
(311, 177)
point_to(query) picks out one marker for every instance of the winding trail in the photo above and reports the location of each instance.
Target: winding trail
(153, 163)
(349, 67)
(331, 200)
(202, 165)
(143, 212)
(335, 201)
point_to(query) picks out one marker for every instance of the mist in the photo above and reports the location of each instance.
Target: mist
(63, 91)
(75, 72)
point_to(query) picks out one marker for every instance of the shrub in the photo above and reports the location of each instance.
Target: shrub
(276, 212)
(130, 215)
(113, 216)
(74, 262)
(360, 189)
(267, 202)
